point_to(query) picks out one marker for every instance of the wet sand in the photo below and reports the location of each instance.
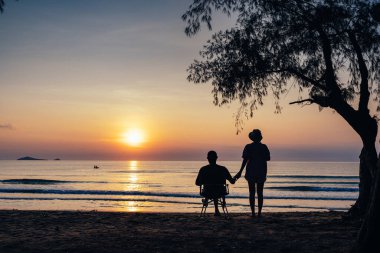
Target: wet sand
(66, 231)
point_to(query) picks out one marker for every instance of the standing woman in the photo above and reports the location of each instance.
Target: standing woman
(255, 157)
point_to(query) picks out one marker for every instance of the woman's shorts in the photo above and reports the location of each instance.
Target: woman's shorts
(256, 180)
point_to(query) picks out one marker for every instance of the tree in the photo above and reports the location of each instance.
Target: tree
(329, 48)
(375, 12)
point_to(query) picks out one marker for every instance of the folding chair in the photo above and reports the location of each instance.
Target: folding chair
(211, 192)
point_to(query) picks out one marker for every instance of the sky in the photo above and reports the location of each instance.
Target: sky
(76, 76)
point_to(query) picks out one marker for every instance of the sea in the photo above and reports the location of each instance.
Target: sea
(169, 186)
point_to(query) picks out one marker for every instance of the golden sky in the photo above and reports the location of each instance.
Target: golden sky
(77, 75)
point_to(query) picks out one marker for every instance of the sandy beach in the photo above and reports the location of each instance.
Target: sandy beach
(74, 231)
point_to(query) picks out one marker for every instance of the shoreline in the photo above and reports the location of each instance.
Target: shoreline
(94, 231)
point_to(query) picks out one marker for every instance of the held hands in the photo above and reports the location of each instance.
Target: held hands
(238, 175)
(235, 178)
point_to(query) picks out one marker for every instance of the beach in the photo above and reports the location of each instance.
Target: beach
(93, 231)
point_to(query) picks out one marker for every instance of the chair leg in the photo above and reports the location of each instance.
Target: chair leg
(224, 208)
(204, 206)
(221, 202)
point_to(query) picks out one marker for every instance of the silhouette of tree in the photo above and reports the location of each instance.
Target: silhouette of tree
(330, 49)
(375, 12)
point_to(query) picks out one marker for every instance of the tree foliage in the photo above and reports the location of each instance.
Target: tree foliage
(1, 5)
(328, 48)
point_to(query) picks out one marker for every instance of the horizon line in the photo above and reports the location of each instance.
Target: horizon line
(179, 160)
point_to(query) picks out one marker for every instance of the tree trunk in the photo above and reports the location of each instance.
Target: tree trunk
(369, 234)
(366, 127)
(365, 182)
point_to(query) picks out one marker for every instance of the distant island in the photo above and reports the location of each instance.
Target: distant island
(28, 158)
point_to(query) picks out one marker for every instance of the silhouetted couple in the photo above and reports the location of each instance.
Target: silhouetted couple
(255, 157)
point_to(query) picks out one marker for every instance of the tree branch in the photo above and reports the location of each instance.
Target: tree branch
(315, 83)
(364, 92)
(308, 100)
(322, 101)
(327, 55)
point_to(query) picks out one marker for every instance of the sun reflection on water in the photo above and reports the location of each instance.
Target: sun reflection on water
(132, 206)
(133, 178)
(133, 165)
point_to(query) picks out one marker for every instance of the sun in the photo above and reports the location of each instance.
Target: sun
(133, 137)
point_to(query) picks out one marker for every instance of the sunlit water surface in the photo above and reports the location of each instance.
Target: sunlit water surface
(162, 186)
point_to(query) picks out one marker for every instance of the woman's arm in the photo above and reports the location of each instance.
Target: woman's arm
(243, 164)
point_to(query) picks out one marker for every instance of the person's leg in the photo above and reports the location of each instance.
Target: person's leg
(217, 213)
(251, 186)
(260, 197)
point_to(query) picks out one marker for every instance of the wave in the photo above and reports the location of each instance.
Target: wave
(141, 171)
(155, 194)
(313, 176)
(312, 189)
(34, 181)
(52, 182)
(101, 199)
(198, 203)
(312, 182)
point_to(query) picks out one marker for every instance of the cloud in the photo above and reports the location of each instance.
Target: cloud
(6, 126)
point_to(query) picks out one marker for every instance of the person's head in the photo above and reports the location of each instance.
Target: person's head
(212, 156)
(255, 135)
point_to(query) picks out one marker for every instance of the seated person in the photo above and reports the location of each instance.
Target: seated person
(213, 177)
